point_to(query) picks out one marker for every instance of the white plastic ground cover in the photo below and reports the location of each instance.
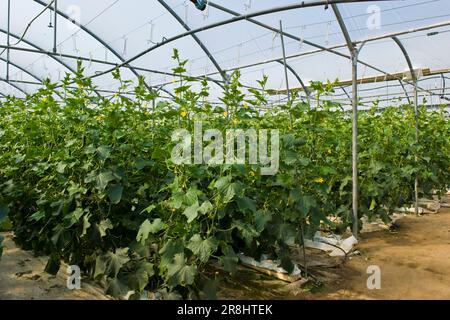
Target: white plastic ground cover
(426, 206)
(410, 210)
(265, 263)
(332, 243)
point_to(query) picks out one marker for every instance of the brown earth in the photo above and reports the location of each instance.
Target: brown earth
(22, 277)
(414, 263)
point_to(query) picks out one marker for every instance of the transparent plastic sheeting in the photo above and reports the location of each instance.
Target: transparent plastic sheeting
(119, 30)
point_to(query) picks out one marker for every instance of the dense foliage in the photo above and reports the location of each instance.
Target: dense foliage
(89, 180)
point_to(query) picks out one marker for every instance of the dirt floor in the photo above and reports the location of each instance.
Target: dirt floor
(414, 264)
(22, 277)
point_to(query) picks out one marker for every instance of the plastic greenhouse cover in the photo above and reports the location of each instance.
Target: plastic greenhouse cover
(119, 30)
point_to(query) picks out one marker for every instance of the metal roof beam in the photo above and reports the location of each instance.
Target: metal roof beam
(14, 86)
(42, 51)
(303, 4)
(96, 37)
(196, 39)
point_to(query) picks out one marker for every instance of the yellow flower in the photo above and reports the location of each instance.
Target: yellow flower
(100, 117)
(329, 151)
(225, 114)
(252, 173)
(319, 180)
(45, 100)
(183, 114)
(235, 121)
(245, 106)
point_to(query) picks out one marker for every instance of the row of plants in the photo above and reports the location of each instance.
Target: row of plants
(89, 180)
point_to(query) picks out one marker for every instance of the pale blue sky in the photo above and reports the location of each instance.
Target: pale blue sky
(131, 26)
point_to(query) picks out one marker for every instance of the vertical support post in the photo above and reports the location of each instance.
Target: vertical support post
(416, 158)
(355, 190)
(55, 23)
(8, 40)
(414, 76)
(285, 69)
(305, 261)
(354, 52)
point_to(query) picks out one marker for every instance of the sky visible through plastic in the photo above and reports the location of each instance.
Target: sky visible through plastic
(130, 27)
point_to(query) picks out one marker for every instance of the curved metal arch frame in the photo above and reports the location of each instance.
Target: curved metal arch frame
(27, 72)
(196, 39)
(14, 86)
(321, 48)
(32, 44)
(248, 17)
(292, 70)
(22, 69)
(303, 4)
(99, 39)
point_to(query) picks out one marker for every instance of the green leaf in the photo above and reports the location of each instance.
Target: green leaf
(110, 263)
(209, 290)
(104, 152)
(287, 233)
(261, 218)
(373, 204)
(142, 164)
(202, 248)
(103, 226)
(148, 227)
(4, 211)
(76, 189)
(86, 224)
(73, 218)
(192, 212)
(149, 209)
(247, 231)
(103, 179)
(245, 204)
(206, 207)
(53, 264)
(37, 216)
(117, 287)
(179, 273)
(61, 167)
(229, 260)
(115, 193)
(168, 252)
(191, 197)
(140, 278)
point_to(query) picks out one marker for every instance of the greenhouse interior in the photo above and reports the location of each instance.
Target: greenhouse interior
(231, 150)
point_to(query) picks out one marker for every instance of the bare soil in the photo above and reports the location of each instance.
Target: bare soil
(22, 277)
(414, 262)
